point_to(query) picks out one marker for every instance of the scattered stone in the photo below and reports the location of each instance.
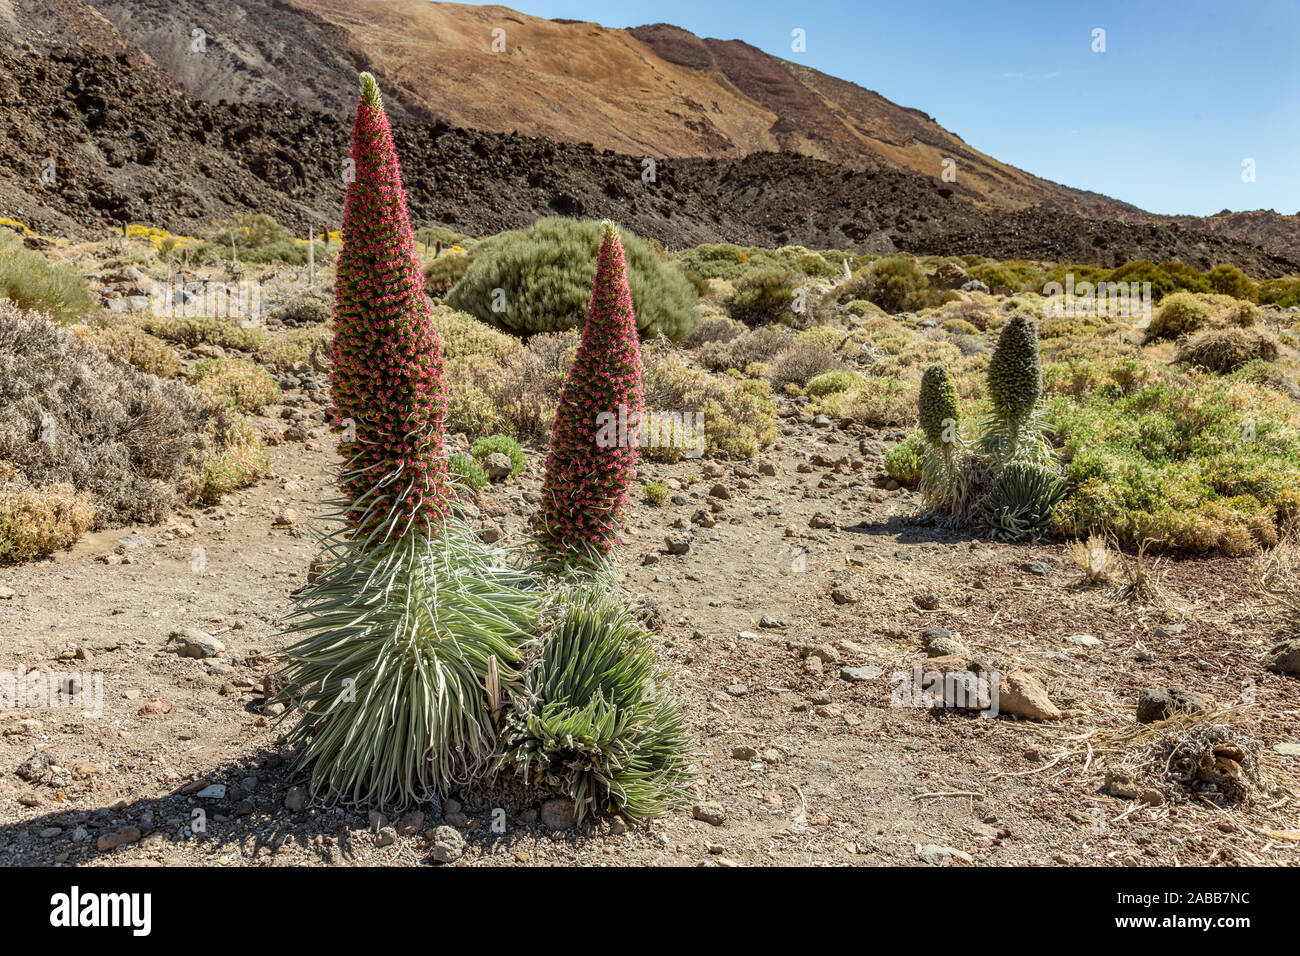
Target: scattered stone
(927, 601)
(448, 845)
(1036, 568)
(1287, 749)
(1082, 640)
(387, 836)
(1284, 658)
(196, 643)
(1020, 694)
(936, 855)
(295, 801)
(710, 813)
(858, 674)
(1120, 783)
(677, 545)
(719, 490)
(213, 791)
(285, 518)
(737, 690)
(36, 767)
(1160, 703)
(820, 520)
(946, 646)
(411, 823)
(770, 622)
(117, 838)
(844, 595)
(560, 813)
(743, 753)
(498, 466)
(155, 708)
(6, 593)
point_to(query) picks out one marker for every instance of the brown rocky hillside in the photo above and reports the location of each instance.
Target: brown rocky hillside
(869, 167)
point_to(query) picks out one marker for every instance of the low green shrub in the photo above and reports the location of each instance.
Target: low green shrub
(828, 383)
(467, 471)
(503, 444)
(903, 461)
(126, 343)
(1229, 280)
(235, 383)
(895, 284)
(764, 297)
(1280, 292)
(205, 330)
(442, 273)
(31, 281)
(539, 279)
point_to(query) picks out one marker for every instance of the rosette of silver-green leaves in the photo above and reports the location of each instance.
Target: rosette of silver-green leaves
(1020, 501)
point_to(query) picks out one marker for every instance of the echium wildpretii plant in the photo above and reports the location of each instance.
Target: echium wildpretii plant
(943, 480)
(594, 441)
(1015, 384)
(413, 627)
(1007, 479)
(386, 377)
(595, 718)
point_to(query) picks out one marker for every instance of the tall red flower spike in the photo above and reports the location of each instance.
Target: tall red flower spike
(597, 424)
(387, 361)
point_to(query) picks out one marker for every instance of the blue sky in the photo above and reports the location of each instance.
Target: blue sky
(1164, 118)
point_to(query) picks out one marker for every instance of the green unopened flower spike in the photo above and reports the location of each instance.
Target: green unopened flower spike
(1016, 371)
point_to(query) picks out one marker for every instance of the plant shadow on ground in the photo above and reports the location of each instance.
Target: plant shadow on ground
(256, 823)
(912, 529)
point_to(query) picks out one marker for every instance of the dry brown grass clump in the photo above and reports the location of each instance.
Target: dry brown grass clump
(516, 393)
(1188, 756)
(129, 442)
(1228, 349)
(739, 352)
(802, 360)
(1094, 559)
(126, 343)
(1277, 578)
(36, 521)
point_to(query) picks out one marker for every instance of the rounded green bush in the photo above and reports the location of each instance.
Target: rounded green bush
(903, 461)
(827, 383)
(1179, 313)
(894, 283)
(442, 273)
(539, 279)
(766, 296)
(503, 444)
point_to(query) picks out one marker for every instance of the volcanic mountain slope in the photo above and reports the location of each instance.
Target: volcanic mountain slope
(655, 90)
(127, 148)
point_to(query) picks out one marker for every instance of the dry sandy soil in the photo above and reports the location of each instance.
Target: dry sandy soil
(833, 773)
